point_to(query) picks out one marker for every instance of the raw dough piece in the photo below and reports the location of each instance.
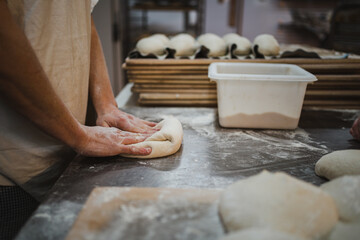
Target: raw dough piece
(261, 234)
(164, 142)
(162, 37)
(243, 45)
(280, 202)
(346, 193)
(339, 163)
(184, 44)
(215, 44)
(151, 45)
(267, 44)
(345, 231)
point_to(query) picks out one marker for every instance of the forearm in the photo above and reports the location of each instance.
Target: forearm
(100, 88)
(25, 86)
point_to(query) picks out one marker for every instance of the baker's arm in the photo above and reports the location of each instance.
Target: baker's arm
(25, 86)
(108, 114)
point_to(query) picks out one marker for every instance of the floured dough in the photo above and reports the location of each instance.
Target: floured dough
(261, 234)
(184, 44)
(346, 193)
(215, 44)
(243, 45)
(280, 202)
(164, 142)
(162, 37)
(267, 45)
(345, 231)
(339, 163)
(151, 45)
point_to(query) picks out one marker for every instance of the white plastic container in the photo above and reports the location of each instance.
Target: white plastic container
(259, 95)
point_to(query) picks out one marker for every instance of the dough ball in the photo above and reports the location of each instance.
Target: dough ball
(164, 142)
(162, 37)
(339, 163)
(261, 234)
(184, 44)
(345, 231)
(151, 45)
(346, 193)
(243, 45)
(215, 44)
(267, 45)
(280, 202)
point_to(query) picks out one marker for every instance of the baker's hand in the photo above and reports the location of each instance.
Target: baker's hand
(355, 129)
(108, 141)
(124, 121)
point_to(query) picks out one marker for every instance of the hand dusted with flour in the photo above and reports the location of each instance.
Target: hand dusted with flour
(164, 142)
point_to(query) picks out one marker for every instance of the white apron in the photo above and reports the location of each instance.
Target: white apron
(59, 32)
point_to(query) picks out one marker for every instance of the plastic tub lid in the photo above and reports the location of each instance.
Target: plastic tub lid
(259, 72)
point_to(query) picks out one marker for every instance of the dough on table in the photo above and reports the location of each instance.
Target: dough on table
(261, 234)
(164, 142)
(280, 202)
(267, 45)
(215, 44)
(243, 45)
(345, 231)
(339, 163)
(346, 193)
(184, 44)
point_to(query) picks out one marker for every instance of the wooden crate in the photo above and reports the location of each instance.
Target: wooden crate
(173, 82)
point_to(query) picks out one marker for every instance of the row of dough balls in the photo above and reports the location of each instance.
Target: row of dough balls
(186, 45)
(276, 206)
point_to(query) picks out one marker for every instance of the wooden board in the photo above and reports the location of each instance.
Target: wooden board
(134, 213)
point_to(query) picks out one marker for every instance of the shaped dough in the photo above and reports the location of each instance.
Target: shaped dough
(345, 231)
(243, 45)
(339, 163)
(346, 193)
(279, 202)
(151, 45)
(162, 37)
(267, 44)
(215, 44)
(184, 44)
(164, 142)
(261, 234)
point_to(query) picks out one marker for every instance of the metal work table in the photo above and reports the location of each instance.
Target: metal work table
(210, 157)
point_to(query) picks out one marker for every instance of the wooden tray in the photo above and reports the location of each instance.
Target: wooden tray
(149, 213)
(184, 82)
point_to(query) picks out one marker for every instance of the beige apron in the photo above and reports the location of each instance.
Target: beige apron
(59, 32)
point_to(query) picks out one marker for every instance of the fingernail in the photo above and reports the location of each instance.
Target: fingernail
(148, 151)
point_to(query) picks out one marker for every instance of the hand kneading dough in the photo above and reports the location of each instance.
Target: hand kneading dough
(346, 193)
(267, 44)
(279, 202)
(215, 44)
(164, 142)
(339, 163)
(261, 234)
(243, 45)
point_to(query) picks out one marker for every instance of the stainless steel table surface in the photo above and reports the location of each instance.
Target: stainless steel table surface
(210, 157)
